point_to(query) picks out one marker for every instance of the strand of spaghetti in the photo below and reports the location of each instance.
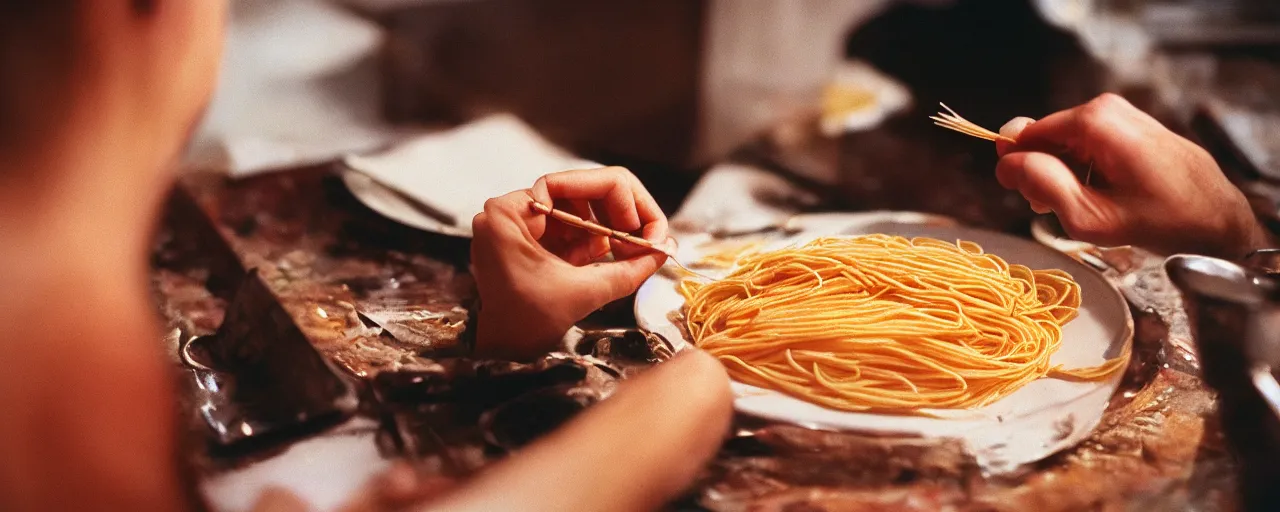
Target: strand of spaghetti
(883, 323)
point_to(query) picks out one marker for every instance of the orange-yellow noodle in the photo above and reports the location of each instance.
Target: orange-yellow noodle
(883, 323)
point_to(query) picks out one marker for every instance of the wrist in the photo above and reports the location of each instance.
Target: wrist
(1253, 237)
(1260, 239)
(505, 337)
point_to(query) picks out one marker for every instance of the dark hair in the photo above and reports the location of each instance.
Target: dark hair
(39, 46)
(144, 6)
(37, 42)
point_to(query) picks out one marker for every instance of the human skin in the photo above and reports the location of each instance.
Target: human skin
(1153, 188)
(537, 277)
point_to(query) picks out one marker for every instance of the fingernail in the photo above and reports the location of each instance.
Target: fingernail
(1015, 126)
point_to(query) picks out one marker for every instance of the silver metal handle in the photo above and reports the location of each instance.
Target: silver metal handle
(1264, 380)
(1263, 260)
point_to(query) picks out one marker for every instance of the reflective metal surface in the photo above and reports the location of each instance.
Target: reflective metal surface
(1235, 312)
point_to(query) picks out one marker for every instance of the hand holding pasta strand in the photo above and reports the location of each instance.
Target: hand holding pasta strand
(1150, 187)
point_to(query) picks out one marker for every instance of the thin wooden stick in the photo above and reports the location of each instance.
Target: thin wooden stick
(953, 121)
(597, 229)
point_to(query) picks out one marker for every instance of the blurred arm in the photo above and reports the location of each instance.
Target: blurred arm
(635, 451)
(88, 409)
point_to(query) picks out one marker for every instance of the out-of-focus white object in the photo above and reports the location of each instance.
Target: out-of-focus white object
(1066, 14)
(386, 5)
(731, 198)
(859, 97)
(298, 86)
(1115, 39)
(455, 171)
(1122, 44)
(1210, 23)
(326, 471)
(767, 59)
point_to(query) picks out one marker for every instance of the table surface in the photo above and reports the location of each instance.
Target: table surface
(328, 260)
(381, 301)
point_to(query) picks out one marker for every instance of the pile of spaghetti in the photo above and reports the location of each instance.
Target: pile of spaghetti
(883, 323)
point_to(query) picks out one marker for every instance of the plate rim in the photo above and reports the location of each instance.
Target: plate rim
(358, 191)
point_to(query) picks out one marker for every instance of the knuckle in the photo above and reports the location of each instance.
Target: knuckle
(1110, 101)
(1199, 155)
(554, 178)
(480, 222)
(1097, 111)
(492, 204)
(621, 173)
(1104, 117)
(509, 204)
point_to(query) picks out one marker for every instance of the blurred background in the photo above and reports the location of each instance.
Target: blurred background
(682, 85)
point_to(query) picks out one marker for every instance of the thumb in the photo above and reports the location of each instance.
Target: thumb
(1049, 185)
(621, 278)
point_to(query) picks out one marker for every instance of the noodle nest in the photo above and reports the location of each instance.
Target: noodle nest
(885, 323)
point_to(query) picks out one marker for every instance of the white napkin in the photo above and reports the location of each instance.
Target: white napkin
(728, 199)
(457, 170)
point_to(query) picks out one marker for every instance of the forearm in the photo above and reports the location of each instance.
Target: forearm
(634, 451)
(88, 400)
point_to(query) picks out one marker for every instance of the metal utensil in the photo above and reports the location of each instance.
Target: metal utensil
(1235, 312)
(436, 214)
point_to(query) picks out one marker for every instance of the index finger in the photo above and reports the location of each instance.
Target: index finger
(1055, 134)
(628, 205)
(1095, 130)
(515, 208)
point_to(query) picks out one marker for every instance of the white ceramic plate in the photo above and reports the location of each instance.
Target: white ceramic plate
(1043, 417)
(392, 206)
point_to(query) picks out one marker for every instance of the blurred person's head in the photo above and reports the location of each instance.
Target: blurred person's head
(122, 81)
